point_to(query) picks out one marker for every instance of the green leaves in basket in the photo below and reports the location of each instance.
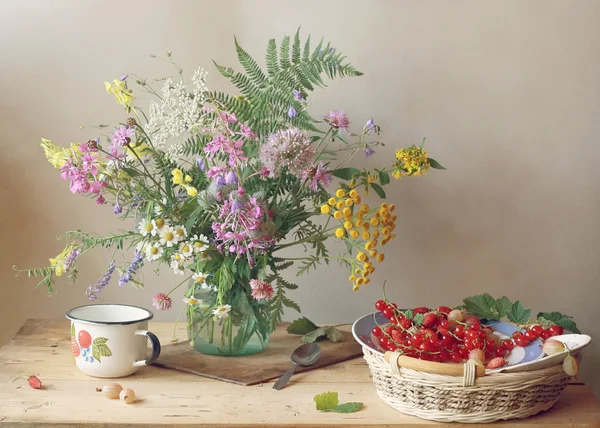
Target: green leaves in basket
(559, 319)
(485, 306)
(329, 402)
(311, 332)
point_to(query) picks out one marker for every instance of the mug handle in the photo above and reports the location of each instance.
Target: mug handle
(155, 348)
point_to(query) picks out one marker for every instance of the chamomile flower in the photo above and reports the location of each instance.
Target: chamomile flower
(200, 279)
(222, 311)
(167, 236)
(146, 226)
(177, 264)
(159, 225)
(192, 301)
(186, 249)
(154, 251)
(180, 233)
(200, 243)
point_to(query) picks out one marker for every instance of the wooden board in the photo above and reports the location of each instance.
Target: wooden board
(169, 397)
(258, 368)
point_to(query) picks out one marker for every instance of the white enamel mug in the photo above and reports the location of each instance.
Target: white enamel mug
(111, 340)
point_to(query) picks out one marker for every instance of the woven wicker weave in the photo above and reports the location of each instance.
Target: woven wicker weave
(444, 398)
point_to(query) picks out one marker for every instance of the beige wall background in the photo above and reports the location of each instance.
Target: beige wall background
(506, 92)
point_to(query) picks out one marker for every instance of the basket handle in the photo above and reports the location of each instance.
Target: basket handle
(448, 369)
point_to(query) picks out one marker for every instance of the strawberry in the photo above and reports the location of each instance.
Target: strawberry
(75, 347)
(495, 363)
(32, 380)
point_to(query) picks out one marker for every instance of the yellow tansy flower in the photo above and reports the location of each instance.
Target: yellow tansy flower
(353, 193)
(347, 212)
(373, 253)
(349, 202)
(325, 209)
(352, 278)
(337, 215)
(392, 207)
(340, 233)
(353, 234)
(375, 222)
(366, 235)
(361, 257)
(332, 201)
(340, 193)
(357, 200)
(348, 225)
(381, 257)
(340, 205)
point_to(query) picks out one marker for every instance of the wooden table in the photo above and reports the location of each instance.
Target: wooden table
(169, 397)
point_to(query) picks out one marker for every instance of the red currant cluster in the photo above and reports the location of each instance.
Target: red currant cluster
(447, 335)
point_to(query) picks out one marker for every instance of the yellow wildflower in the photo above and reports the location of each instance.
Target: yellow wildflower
(367, 280)
(347, 212)
(365, 208)
(359, 223)
(353, 193)
(360, 281)
(369, 245)
(325, 209)
(188, 179)
(340, 233)
(337, 215)
(349, 202)
(56, 155)
(340, 193)
(385, 231)
(332, 201)
(353, 234)
(123, 95)
(361, 257)
(58, 263)
(375, 234)
(348, 225)
(381, 257)
(340, 205)
(372, 178)
(375, 222)
(373, 253)
(191, 191)
(392, 207)
(366, 235)
(357, 200)
(352, 278)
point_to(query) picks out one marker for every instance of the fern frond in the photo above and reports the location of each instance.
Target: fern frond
(284, 55)
(296, 52)
(272, 65)
(250, 65)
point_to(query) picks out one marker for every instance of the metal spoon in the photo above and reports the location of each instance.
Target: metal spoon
(303, 355)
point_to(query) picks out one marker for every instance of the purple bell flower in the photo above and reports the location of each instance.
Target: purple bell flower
(297, 95)
(292, 112)
(201, 164)
(370, 125)
(236, 206)
(220, 181)
(231, 178)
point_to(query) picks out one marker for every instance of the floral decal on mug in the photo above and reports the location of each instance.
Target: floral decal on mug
(83, 346)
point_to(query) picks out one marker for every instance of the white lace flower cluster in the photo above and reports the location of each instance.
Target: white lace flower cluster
(179, 111)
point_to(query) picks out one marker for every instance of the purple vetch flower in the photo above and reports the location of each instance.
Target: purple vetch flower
(123, 78)
(370, 125)
(297, 94)
(369, 151)
(117, 209)
(220, 181)
(236, 206)
(231, 178)
(136, 263)
(70, 259)
(93, 291)
(338, 119)
(136, 200)
(292, 112)
(201, 164)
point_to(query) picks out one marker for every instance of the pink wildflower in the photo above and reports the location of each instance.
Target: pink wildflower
(261, 291)
(316, 175)
(162, 302)
(338, 119)
(247, 132)
(289, 149)
(120, 137)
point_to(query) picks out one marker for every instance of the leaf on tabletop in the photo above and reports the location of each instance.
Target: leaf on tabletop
(326, 400)
(346, 408)
(561, 320)
(313, 335)
(301, 326)
(518, 314)
(334, 334)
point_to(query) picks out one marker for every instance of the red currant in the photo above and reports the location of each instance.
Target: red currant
(387, 312)
(383, 341)
(508, 344)
(555, 330)
(490, 344)
(537, 330)
(530, 335)
(459, 331)
(501, 351)
(416, 340)
(430, 320)
(521, 341)
(455, 358)
(376, 332)
(406, 323)
(545, 334)
(473, 323)
(420, 310)
(444, 309)
(444, 324)
(380, 305)
(471, 334)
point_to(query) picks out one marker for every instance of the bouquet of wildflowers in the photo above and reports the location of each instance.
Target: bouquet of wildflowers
(215, 184)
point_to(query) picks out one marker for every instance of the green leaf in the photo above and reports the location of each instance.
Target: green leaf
(313, 335)
(435, 164)
(378, 189)
(518, 314)
(326, 400)
(561, 320)
(503, 305)
(384, 178)
(483, 306)
(334, 334)
(418, 319)
(100, 340)
(72, 329)
(301, 326)
(130, 172)
(346, 408)
(296, 52)
(345, 173)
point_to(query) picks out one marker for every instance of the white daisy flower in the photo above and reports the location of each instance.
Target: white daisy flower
(159, 225)
(145, 227)
(186, 249)
(200, 279)
(167, 236)
(192, 301)
(180, 233)
(200, 243)
(222, 311)
(177, 264)
(154, 251)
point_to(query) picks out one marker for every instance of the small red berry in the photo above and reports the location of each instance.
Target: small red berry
(530, 335)
(508, 344)
(430, 320)
(545, 334)
(420, 310)
(444, 309)
(555, 330)
(380, 305)
(406, 323)
(33, 381)
(495, 363)
(375, 332)
(537, 330)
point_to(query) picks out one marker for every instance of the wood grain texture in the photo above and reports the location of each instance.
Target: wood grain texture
(258, 368)
(169, 397)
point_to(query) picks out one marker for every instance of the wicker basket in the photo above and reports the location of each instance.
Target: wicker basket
(465, 398)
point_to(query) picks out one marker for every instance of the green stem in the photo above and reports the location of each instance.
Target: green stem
(179, 285)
